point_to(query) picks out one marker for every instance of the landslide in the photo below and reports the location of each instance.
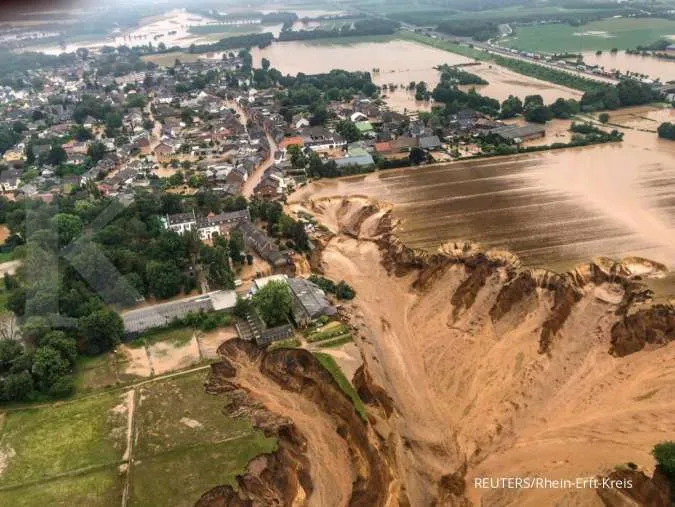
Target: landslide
(476, 367)
(327, 455)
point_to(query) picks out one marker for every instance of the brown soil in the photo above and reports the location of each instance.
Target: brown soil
(481, 369)
(327, 454)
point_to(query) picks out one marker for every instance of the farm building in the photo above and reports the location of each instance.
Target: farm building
(516, 133)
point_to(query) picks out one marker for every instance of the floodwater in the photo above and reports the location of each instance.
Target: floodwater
(652, 67)
(400, 62)
(553, 209)
(171, 28)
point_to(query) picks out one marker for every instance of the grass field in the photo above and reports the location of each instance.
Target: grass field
(101, 488)
(442, 44)
(40, 443)
(185, 444)
(74, 453)
(180, 477)
(604, 35)
(176, 337)
(168, 59)
(92, 373)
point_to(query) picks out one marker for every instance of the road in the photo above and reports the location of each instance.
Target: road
(496, 50)
(255, 177)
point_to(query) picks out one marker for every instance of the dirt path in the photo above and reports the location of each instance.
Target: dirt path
(128, 457)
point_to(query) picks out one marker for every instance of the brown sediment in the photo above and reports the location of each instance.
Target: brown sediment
(472, 367)
(476, 367)
(652, 326)
(327, 455)
(629, 488)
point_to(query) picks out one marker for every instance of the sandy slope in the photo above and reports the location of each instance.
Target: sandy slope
(470, 389)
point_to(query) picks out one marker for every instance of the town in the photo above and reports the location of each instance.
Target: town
(230, 237)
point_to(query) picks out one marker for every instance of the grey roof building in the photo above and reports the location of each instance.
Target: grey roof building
(523, 133)
(309, 301)
(430, 143)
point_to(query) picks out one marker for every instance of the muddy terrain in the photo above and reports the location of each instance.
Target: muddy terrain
(473, 366)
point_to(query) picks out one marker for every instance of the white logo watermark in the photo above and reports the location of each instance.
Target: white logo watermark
(528, 482)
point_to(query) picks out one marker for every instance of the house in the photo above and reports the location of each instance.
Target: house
(205, 226)
(263, 336)
(320, 138)
(404, 143)
(309, 302)
(10, 180)
(358, 116)
(359, 160)
(262, 244)
(163, 151)
(364, 127)
(429, 143)
(180, 222)
(517, 134)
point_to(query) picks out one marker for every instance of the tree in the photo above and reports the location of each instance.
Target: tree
(562, 108)
(64, 344)
(101, 330)
(68, 227)
(186, 116)
(48, 366)
(538, 114)
(664, 454)
(274, 303)
(298, 159)
(604, 117)
(113, 121)
(667, 131)
(421, 91)
(265, 64)
(348, 130)
(164, 279)
(17, 386)
(242, 307)
(511, 107)
(56, 155)
(344, 291)
(96, 151)
(532, 101)
(417, 156)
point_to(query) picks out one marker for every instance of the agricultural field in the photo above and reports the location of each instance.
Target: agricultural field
(624, 33)
(166, 442)
(69, 453)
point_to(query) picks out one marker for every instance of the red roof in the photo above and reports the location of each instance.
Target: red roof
(383, 147)
(288, 141)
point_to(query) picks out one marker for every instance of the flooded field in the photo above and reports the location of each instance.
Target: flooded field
(400, 62)
(553, 209)
(652, 67)
(171, 28)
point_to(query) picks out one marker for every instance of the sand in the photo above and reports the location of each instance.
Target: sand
(165, 357)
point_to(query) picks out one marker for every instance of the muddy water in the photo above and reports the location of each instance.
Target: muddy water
(400, 62)
(652, 67)
(553, 209)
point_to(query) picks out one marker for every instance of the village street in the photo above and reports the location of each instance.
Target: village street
(255, 177)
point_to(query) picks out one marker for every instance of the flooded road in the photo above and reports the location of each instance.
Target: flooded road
(652, 67)
(399, 62)
(553, 209)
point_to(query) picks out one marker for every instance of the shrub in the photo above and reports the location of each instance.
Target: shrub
(664, 454)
